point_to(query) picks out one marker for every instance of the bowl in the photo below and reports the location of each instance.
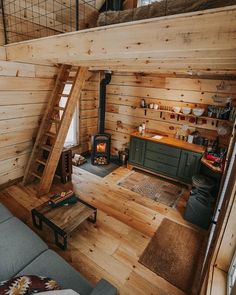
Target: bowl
(177, 109)
(186, 110)
(198, 112)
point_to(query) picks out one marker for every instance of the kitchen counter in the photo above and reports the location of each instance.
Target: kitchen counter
(171, 142)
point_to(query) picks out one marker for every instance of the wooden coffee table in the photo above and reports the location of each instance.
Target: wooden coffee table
(63, 220)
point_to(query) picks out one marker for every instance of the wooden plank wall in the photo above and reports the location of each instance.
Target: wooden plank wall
(126, 90)
(24, 91)
(88, 111)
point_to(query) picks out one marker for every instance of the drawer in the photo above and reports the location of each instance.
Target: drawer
(160, 167)
(163, 149)
(163, 158)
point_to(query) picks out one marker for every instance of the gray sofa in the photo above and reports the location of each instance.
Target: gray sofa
(22, 252)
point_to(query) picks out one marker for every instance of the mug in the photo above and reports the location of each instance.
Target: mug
(151, 105)
(156, 106)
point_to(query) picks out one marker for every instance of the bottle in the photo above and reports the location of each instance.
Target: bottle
(142, 103)
(215, 145)
(140, 129)
(143, 127)
(177, 135)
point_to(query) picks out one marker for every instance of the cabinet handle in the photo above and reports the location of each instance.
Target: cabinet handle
(136, 150)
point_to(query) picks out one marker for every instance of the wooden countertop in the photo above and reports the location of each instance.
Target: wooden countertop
(171, 142)
(210, 165)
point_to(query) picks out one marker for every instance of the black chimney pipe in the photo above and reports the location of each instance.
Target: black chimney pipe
(102, 101)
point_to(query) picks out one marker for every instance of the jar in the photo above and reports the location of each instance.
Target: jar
(156, 106)
(151, 105)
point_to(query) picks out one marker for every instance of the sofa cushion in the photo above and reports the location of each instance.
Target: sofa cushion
(4, 213)
(104, 287)
(25, 285)
(51, 265)
(60, 292)
(19, 245)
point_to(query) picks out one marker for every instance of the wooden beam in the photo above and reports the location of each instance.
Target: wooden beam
(208, 35)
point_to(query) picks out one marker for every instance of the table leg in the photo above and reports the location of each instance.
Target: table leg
(63, 244)
(37, 221)
(93, 218)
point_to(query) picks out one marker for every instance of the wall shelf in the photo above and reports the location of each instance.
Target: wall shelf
(189, 116)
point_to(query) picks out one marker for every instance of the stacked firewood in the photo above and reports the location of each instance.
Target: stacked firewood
(100, 161)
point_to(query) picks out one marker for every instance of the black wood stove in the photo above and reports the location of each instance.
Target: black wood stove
(101, 142)
(101, 145)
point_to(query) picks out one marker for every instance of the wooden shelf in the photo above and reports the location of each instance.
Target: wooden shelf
(189, 115)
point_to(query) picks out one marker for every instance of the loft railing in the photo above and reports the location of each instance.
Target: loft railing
(30, 19)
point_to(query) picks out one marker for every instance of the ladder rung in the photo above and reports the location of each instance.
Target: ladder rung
(59, 108)
(36, 175)
(63, 95)
(41, 162)
(70, 82)
(55, 120)
(50, 134)
(46, 147)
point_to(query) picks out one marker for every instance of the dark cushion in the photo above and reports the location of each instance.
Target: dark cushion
(19, 245)
(104, 287)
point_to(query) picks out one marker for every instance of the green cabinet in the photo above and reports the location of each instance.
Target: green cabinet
(189, 165)
(137, 151)
(164, 159)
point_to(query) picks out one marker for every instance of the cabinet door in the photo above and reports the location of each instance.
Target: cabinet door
(189, 165)
(137, 150)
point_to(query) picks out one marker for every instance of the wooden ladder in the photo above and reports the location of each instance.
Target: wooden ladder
(53, 129)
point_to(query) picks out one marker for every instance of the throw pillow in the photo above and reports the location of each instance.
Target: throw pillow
(27, 285)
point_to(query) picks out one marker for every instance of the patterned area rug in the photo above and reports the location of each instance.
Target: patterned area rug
(153, 187)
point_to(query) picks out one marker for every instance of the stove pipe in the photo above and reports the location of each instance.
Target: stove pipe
(102, 101)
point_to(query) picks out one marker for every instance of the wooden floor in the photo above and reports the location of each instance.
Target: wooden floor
(111, 248)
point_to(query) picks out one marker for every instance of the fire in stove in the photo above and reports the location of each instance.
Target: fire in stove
(101, 149)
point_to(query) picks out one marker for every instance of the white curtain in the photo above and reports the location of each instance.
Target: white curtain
(72, 135)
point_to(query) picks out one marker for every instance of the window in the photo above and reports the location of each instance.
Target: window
(72, 135)
(232, 277)
(146, 2)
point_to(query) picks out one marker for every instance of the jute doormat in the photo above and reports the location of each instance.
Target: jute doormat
(175, 253)
(153, 187)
